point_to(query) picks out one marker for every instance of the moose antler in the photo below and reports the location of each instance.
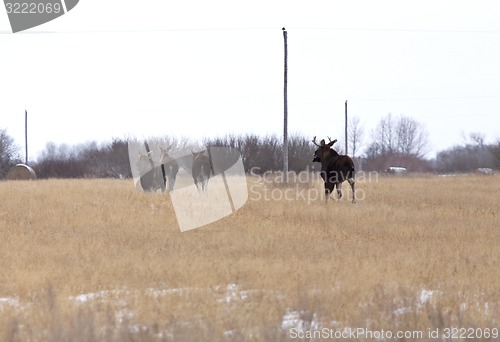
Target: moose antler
(165, 149)
(314, 142)
(147, 154)
(331, 141)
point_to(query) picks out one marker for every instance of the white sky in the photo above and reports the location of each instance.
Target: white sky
(119, 68)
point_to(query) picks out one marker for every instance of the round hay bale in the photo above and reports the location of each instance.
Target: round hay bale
(21, 172)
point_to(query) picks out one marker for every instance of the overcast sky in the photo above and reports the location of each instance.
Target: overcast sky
(120, 68)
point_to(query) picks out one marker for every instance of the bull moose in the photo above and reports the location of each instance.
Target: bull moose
(335, 168)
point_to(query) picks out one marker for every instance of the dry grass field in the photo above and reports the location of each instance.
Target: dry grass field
(86, 260)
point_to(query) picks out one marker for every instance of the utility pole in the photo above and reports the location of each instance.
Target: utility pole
(26, 136)
(152, 163)
(285, 108)
(346, 143)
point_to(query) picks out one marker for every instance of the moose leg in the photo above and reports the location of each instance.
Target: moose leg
(163, 176)
(323, 175)
(171, 183)
(328, 190)
(352, 183)
(339, 190)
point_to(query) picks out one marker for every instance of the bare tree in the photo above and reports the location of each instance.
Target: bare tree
(472, 139)
(473, 154)
(404, 136)
(9, 152)
(384, 136)
(478, 139)
(412, 137)
(402, 141)
(495, 153)
(355, 134)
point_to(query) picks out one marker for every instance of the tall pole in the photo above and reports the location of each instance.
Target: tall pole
(285, 108)
(152, 163)
(26, 136)
(346, 144)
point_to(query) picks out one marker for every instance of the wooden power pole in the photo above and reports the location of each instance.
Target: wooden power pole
(285, 108)
(346, 143)
(26, 136)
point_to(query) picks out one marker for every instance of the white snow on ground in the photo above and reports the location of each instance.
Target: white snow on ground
(424, 297)
(13, 303)
(234, 295)
(301, 321)
(91, 296)
(9, 301)
(118, 298)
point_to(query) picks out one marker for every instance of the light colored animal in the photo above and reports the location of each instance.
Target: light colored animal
(201, 170)
(170, 167)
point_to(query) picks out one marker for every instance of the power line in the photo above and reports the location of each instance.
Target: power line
(198, 29)
(437, 98)
(395, 99)
(397, 30)
(187, 29)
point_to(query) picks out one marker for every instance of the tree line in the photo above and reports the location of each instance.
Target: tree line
(396, 141)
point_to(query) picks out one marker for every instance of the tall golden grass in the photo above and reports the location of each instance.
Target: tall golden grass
(97, 260)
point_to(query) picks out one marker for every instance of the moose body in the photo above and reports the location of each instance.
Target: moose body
(201, 170)
(170, 168)
(150, 175)
(335, 169)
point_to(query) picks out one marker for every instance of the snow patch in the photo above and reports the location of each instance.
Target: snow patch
(10, 301)
(424, 297)
(298, 320)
